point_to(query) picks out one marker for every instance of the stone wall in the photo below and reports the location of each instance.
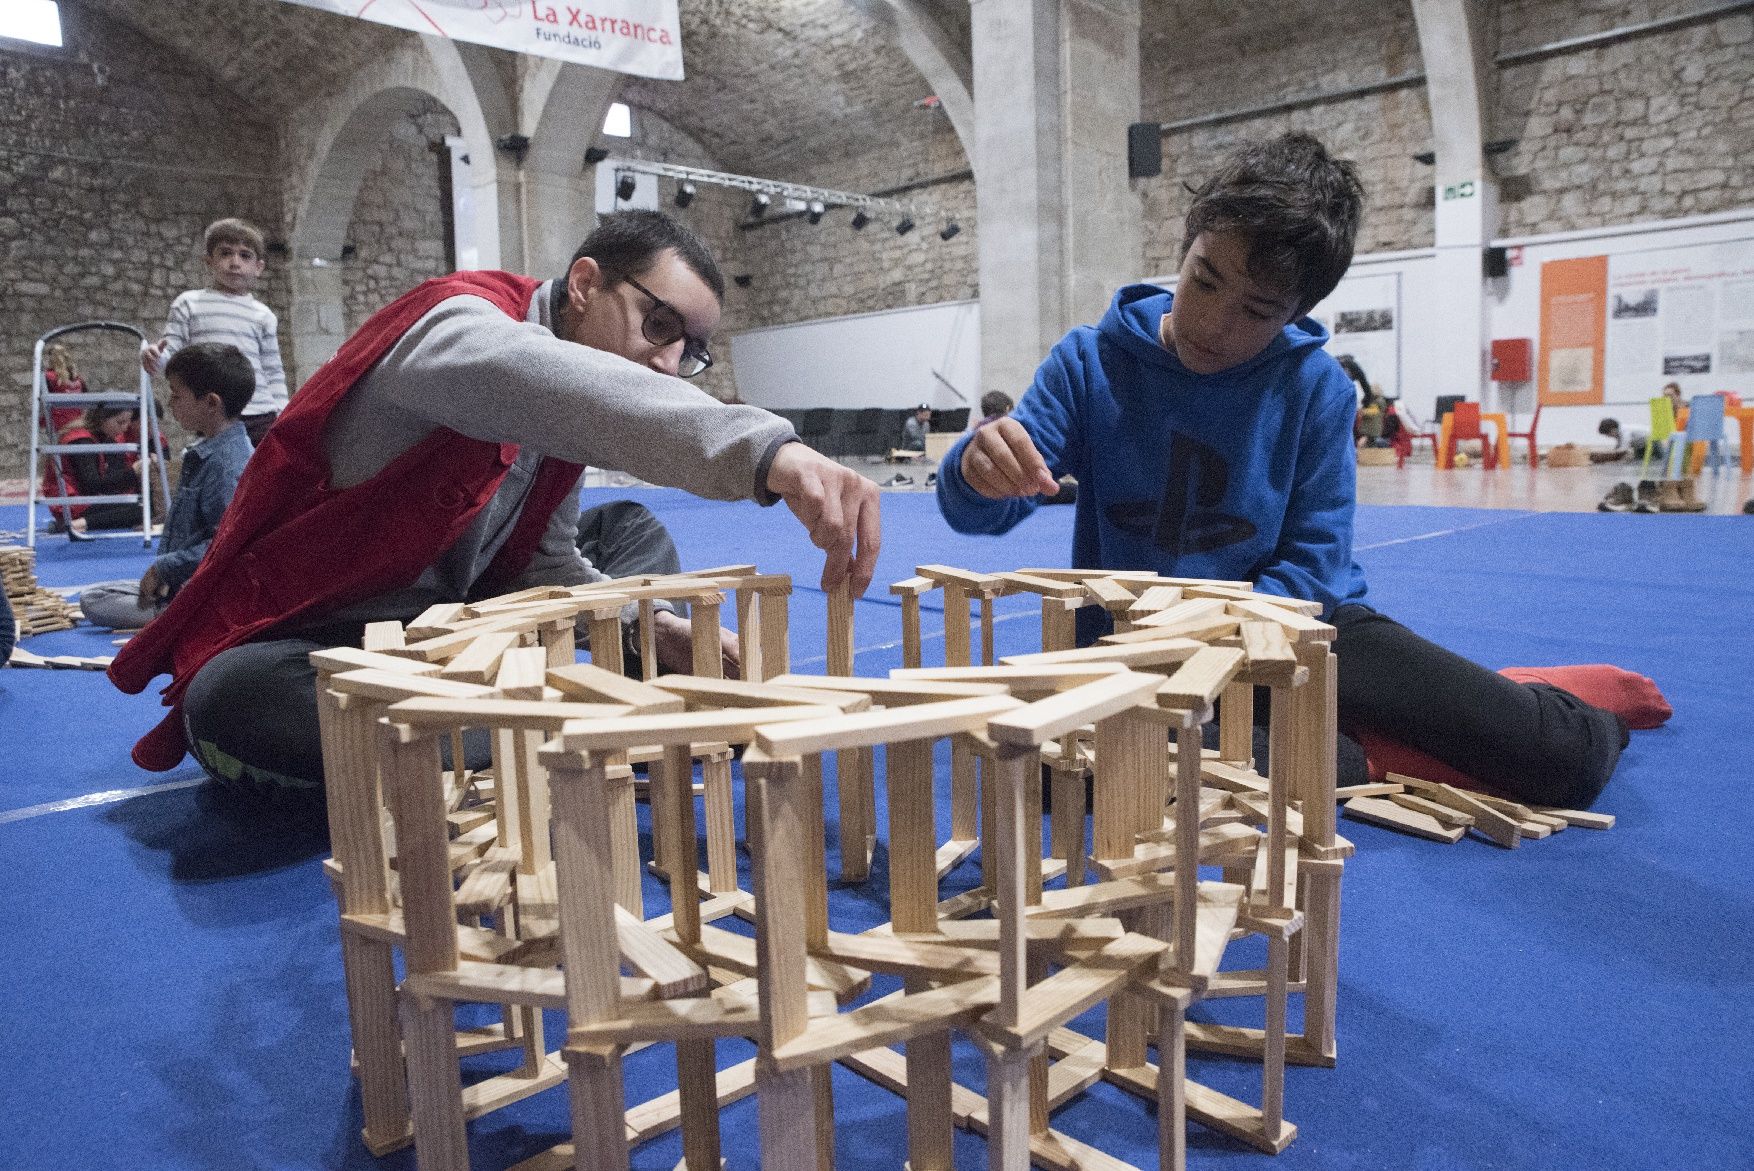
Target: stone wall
(1200, 58)
(114, 156)
(398, 226)
(1651, 127)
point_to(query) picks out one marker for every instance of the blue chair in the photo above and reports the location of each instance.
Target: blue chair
(1705, 424)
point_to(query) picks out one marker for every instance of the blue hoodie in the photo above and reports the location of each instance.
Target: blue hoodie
(1247, 474)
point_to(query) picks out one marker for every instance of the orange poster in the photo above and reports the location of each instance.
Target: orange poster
(1574, 322)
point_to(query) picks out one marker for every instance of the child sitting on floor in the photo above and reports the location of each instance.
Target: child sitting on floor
(1211, 436)
(211, 385)
(101, 473)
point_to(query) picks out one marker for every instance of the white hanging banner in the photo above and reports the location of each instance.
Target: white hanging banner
(643, 37)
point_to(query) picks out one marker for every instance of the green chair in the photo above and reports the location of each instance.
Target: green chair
(1662, 426)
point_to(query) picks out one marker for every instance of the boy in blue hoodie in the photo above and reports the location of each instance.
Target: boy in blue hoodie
(1211, 436)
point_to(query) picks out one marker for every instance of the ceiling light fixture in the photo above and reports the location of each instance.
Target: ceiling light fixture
(625, 185)
(860, 219)
(905, 226)
(816, 212)
(950, 229)
(685, 195)
(759, 205)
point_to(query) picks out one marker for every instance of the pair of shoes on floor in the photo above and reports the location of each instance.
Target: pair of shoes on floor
(1678, 496)
(896, 481)
(1618, 499)
(1748, 507)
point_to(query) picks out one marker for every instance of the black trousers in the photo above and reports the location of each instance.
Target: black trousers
(1536, 743)
(250, 714)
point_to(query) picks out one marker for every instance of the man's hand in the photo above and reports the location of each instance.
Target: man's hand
(838, 507)
(152, 587)
(674, 636)
(1001, 462)
(152, 356)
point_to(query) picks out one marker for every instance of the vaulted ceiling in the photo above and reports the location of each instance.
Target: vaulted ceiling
(770, 87)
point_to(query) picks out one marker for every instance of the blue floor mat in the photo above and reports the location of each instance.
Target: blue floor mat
(176, 998)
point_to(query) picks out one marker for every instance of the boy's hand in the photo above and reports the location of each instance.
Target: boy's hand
(152, 356)
(838, 506)
(673, 636)
(1001, 463)
(152, 587)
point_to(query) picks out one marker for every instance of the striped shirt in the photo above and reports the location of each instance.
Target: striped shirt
(208, 315)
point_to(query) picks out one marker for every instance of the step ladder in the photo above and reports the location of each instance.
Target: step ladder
(43, 438)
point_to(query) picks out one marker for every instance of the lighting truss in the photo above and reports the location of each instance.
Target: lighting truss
(873, 206)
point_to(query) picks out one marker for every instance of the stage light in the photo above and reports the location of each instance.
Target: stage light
(817, 208)
(742, 280)
(624, 186)
(759, 205)
(905, 226)
(950, 229)
(595, 155)
(685, 195)
(860, 219)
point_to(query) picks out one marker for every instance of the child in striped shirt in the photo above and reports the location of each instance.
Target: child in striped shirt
(226, 313)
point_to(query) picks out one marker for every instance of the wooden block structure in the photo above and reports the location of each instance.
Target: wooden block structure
(34, 610)
(520, 884)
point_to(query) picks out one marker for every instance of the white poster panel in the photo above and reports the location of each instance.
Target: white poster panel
(898, 358)
(1363, 315)
(643, 37)
(1683, 315)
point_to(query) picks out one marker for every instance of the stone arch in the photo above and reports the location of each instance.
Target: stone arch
(340, 148)
(563, 105)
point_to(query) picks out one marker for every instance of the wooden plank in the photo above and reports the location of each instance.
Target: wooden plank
(1375, 789)
(1019, 680)
(1134, 655)
(1582, 818)
(589, 683)
(477, 662)
(1506, 831)
(332, 660)
(1199, 681)
(1190, 610)
(1033, 724)
(1270, 657)
(708, 694)
(836, 732)
(1046, 587)
(1297, 627)
(1152, 599)
(887, 1022)
(372, 683)
(1442, 813)
(1073, 989)
(523, 714)
(1392, 816)
(899, 690)
(719, 727)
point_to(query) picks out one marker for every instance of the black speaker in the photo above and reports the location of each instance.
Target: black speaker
(1144, 150)
(1497, 262)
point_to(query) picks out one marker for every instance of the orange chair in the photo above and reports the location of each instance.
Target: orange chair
(1464, 423)
(1534, 455)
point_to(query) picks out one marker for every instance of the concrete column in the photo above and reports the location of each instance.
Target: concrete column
(1056, 85)
(318, 316)
(1458, 71)
(561, 107)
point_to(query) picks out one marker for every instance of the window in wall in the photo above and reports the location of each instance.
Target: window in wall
(619, 123)
(36, 21)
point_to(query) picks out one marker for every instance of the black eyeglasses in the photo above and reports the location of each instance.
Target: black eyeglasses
(663, 326)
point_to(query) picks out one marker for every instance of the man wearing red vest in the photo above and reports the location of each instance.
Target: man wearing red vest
(436, 458)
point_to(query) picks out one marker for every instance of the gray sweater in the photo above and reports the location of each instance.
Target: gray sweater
(467, 366)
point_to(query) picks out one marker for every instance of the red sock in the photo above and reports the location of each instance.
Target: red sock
(1633, 697)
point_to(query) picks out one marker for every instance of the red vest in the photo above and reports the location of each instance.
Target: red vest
(291, 548)
(66, 484)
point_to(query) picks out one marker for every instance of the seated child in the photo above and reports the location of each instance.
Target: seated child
(211, 384)
(61, 376)
(1211, 436)
(102, 473)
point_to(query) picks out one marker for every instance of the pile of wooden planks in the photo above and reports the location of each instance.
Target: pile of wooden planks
(1443, 813)
(36, 610)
